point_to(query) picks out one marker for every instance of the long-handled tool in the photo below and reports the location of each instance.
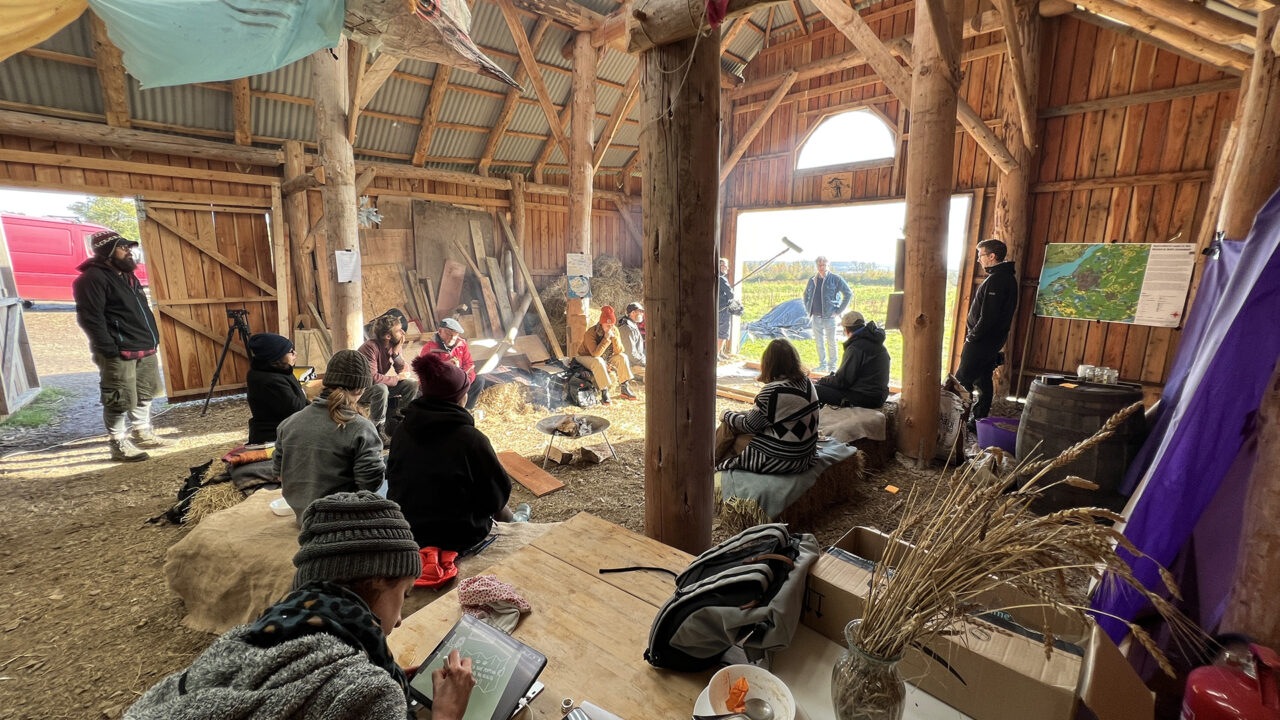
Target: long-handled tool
(789, 246)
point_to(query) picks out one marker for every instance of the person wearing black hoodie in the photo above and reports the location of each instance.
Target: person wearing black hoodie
(862, 380)
(112, 309)
(987, 326)
(274, 393)
(442, 471)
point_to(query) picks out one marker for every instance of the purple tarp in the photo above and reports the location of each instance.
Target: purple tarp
(1218, 383)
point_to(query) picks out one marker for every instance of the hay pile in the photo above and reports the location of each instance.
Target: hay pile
(612, 284)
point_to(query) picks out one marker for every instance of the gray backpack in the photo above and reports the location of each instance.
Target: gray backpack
(746, 592)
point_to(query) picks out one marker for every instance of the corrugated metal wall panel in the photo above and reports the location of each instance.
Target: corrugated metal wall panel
(34, 81)
(182, 105)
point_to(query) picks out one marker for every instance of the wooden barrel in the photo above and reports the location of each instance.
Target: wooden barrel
(1057, 417)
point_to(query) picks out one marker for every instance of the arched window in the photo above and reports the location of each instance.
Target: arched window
(850, 137)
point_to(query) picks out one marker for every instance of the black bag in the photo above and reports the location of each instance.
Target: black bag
(177, 514)
(580, 386)
(747, 591)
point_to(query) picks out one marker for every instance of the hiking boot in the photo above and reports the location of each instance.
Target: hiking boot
(147, 438)
(625, 392)
(124, 451)
(604, 397)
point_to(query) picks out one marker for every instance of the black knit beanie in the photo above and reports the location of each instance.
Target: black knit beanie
(348, 369)
(350, 536)
(269, 347)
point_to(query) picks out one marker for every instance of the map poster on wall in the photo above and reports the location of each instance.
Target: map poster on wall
(1136, 283)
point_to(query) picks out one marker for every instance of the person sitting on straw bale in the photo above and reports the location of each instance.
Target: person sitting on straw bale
(442, 470)
(392, 388)
(274, 393)
(321, 652)
(780, 434)
(450, 343)
(862, 380)
(601, 352)
(632, 337)
(328, 446)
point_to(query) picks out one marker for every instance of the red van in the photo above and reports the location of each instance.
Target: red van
(46, 252)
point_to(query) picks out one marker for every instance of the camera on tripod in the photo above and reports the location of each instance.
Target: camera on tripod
(239, 325)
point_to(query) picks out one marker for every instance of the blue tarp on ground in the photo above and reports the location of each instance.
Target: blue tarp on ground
(786, 320)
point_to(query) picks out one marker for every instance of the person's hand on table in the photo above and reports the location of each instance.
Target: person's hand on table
(452, 688)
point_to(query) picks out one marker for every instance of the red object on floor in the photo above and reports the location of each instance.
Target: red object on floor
(1228, 693)
(437, 567)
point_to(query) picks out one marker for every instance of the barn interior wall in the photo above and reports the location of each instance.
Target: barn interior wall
(1108, 171)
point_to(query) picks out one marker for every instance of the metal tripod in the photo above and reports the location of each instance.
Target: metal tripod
(239, 324)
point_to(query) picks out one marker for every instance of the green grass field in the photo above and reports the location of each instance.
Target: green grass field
(40, 411)
(759, 297)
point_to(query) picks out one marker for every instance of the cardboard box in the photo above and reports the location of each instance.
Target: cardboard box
(992, 670)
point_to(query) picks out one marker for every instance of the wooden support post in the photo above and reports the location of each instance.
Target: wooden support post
(111, 75)
(929, 181)
(295, 205)
(765, 113)
(581, 172)
(1013, 189)
(357, 55)
(242, 111)
(329, 83)
(680, 186)
(668, 21)
(1255, 174)
(517, 226)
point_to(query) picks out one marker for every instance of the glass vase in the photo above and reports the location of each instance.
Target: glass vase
(866, 687)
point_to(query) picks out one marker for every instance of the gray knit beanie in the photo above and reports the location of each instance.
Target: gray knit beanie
(348, 369)
(350, 536)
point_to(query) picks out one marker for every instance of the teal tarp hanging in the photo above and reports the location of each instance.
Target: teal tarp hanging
(173, 42)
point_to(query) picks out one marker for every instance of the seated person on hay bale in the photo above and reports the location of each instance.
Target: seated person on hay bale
(328, 446)
(450, 344)
(601, 352)
(782, 428)
(274, 393)
(632, 337)
(442, 470)
(320, 653)
(862, 380)
(393, 387)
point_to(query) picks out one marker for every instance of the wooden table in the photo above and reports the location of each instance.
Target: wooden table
(593, 628)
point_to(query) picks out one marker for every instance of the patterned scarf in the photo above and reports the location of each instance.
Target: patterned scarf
(324, 607)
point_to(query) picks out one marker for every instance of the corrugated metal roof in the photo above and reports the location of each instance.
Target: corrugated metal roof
(520, 149)
(74, 39)
(185, 105)
(617, 67)
(47, 83)
(450, 143)
(401, 97)
(294, 79)
(273, 118)
(528, 117)
(384, 135)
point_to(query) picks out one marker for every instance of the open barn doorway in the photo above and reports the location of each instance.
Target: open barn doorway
(861, 241)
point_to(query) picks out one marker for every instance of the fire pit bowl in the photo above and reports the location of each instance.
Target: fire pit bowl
(586, 426)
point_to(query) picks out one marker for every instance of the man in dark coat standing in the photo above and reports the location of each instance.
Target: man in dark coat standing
(112, 309)
(987, 327)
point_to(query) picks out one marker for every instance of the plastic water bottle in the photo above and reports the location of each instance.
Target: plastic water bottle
(522, 513)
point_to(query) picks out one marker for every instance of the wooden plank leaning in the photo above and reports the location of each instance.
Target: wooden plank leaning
(533, 289)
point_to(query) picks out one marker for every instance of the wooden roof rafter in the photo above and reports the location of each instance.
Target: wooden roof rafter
(430, 114)
(1201, 48)
(535, 72)
(511, 101)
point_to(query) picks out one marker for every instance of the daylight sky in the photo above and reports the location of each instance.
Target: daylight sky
(37, 202)
(849, 233)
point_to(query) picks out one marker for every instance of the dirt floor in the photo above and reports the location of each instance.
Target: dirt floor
(87, 622)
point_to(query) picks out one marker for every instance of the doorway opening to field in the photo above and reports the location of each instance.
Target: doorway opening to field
(861, 242)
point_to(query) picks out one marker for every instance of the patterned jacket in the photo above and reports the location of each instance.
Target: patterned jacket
(785, 424)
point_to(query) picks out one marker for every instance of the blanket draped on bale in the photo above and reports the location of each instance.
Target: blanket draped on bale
(744, 499)
(238, 562)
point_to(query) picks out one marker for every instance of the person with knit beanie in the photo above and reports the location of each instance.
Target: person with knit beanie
(329, 446)
(601, 352)
(320, 653)
(274, 393)
(442, 470)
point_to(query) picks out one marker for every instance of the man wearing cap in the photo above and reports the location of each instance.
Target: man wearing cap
(448, 341)
(112, 309)
(862, 380)
(632, 337)
(826, 296)
(393, 385)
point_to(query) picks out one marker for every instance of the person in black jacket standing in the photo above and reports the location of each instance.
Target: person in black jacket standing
(274, 393)
(862, 380)
(112, 309)
(987, 327)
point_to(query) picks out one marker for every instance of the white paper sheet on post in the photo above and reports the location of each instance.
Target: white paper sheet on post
(348, 264)
(578, 264)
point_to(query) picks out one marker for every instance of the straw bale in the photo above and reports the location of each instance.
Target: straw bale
(612, 284)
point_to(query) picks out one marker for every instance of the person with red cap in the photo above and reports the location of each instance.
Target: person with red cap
(601, 352)
(442, 471)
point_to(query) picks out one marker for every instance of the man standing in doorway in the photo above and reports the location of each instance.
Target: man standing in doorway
(111, 308)
(987, 327)
(825, 298)
(394, 387)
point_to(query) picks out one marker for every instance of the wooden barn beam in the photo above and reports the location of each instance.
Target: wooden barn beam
(1209, 87)
(581, 172)
(679, 204)
(375, 76)
(111, 74)
(511, 101)
(1255, 174)
(665, 21)
(1194, 45)
(757, 125)
(1022, 73)
(535, 73)
(621, 109)
(72, 131)
(1197, 18)
(242, 111)
(357, 56)
(549, 146)
(612, 31)
(900, 83)
(733, 32)
(329, 83)
(295, 207)
(570, 13)
(795, 9)
(934, 97)
(430, 114)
